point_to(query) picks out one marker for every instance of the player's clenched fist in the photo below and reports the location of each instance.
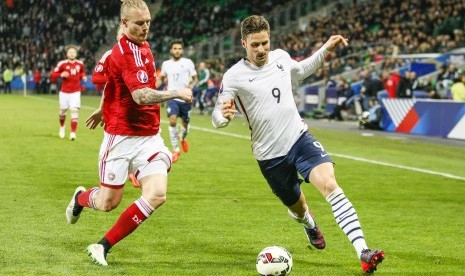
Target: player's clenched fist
(229, 109)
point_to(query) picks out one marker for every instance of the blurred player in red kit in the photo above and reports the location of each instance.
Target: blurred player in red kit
(71, 72)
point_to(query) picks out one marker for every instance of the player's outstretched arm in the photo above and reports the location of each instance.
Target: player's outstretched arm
(146, 96)
(334, 41)
(308, 66)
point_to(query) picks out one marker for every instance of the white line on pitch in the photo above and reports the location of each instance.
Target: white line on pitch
(447, 175)
(349, 157)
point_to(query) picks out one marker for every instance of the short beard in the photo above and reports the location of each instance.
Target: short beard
(177, 58)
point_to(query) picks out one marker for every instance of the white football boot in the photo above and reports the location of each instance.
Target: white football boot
(97, 253)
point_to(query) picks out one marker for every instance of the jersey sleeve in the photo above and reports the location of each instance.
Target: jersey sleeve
(192, 71)
(99, 75)
(99, 78)
(163, 69)
(134, 72)
(56, 73)
(227, 92)
(83, 70)
(302, 69)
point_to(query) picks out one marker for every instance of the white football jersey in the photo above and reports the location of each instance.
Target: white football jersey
(179, 73)
(264, 97)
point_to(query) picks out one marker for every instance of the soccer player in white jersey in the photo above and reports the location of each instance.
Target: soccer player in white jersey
(260, 86)
(180, 73)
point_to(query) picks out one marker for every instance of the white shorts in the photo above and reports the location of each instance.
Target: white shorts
(141, 155)
(70, 100)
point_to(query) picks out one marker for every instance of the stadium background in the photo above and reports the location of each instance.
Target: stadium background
(409, 189)
(387, 39)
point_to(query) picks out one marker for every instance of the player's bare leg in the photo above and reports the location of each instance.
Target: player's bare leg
(300, 213)
(153, 189)
(322, 177)
(104, 199)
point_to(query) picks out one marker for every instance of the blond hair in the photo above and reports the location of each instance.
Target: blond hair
(254, 24)
(126, 5)
(119, 32)
(71, 46)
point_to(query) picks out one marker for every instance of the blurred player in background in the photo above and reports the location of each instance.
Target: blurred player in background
(132, 139)
(204, 77)
(100, 74)
(180, 73)
(260, 85)
(71, 72)
(99, 78)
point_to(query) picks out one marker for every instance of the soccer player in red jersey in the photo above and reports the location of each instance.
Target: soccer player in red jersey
(132, 140)
(100, 78)
(71, 72)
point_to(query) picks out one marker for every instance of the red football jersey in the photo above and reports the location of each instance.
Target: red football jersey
(100, 74)
(72, 83)
(131, 67)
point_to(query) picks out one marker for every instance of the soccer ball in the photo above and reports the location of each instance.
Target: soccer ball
(274, 261)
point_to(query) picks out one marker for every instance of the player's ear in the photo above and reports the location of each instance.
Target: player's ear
(124, 22)
(244, 43)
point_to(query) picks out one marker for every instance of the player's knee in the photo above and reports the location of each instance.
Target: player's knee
(108, 206)
(157, 200)
(330, 184)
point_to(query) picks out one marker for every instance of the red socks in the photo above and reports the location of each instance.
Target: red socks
(85, 199)
(62, 120)
(129, 220)
(74, 123)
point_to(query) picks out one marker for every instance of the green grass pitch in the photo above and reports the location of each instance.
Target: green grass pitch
(220, 212)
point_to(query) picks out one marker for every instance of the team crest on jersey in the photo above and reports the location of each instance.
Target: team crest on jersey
(99, 68)
(142, 76)
(221, 88)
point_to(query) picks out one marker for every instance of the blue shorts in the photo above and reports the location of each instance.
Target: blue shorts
(281, 173)
(180, 109)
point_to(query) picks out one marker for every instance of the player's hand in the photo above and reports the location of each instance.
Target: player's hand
(64, 74)
(95, 119)
(185, 94)
(84, 78)
(229, 109)
(334, 41)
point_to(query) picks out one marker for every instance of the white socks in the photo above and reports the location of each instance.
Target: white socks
(174, 136)
(347, 219)
(307, 220)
